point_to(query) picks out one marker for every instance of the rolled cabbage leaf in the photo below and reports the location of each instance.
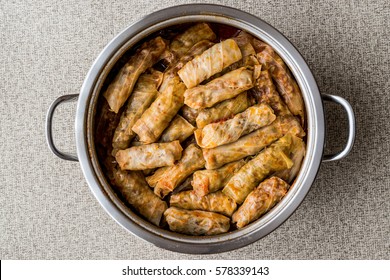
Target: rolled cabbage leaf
(196, 222)
(260, 201)
(149, 156)
(122, 86)
(210, 62)
(224, 132)
(271, 159)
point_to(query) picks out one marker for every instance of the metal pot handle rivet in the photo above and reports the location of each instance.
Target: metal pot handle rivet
(352, 127)
(49, 126)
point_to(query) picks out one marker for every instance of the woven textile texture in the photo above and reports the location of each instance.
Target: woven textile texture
(47, 210)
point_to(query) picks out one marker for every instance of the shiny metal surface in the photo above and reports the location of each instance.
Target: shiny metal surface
(49, 126)
(351, 123)
(86, 109)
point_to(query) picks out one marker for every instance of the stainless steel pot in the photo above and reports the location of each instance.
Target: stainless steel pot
(86, 108)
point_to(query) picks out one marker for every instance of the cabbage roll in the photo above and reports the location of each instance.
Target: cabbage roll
(210, 62)
(191, 161)
(189, 114)
(208, 181)
(217, 134)
(260, 201)
(297, 154)
(122, 86)
(224, 110)
(225, 87)
(213, 202)
(196, 222)
(196, 33)
(285, 83)
(252, 143)
(265, 92)
(271, 159)
(171, 71)
(135, 191)
(179, 129)
(149, 156)
(144, 93)
(158, 116)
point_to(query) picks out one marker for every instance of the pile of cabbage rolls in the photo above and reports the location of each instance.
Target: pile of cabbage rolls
(209, 144)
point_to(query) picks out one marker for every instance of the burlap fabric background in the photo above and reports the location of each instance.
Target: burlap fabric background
(47, 210)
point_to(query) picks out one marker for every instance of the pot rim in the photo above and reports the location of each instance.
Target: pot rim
(85, 117)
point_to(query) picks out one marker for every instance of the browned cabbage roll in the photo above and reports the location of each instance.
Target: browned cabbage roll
(135, 191)
(217, 134)
(285, 83)
(271, 159)
(252, 143)
(265, 92)
(191, 161)
(145, 91)
(224, 110)
(225, 87)
(122, 86)
(213, 202)
(196, 222)
(260, 201)
(179, 129)
(210, 62)
(297, 154)
(184, 41)
(208, 181)
(149, 156)
(171, 71)
(158, 116)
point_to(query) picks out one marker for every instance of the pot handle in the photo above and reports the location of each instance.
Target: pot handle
(49, 126)
(352, 127)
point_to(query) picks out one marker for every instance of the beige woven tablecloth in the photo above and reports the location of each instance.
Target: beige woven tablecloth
(47, 210)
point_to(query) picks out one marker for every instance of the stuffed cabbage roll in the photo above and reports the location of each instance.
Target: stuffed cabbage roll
(252, 143)
(135, 191)
(209, 181)
(196, 33)
(210, 62)
(260, 201)
(144, 93)
(297, 154)
(213, 202)
(285, 83)
(225, 87)
(217, 134)
(191, 161)
(196, 222)
(149, 156)
(171, 71)
(158, 116)
(179, 129)
(248, 56)
(189, 114)
(265, 92)
(122, 86)
(224, 110)
(271, 159)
